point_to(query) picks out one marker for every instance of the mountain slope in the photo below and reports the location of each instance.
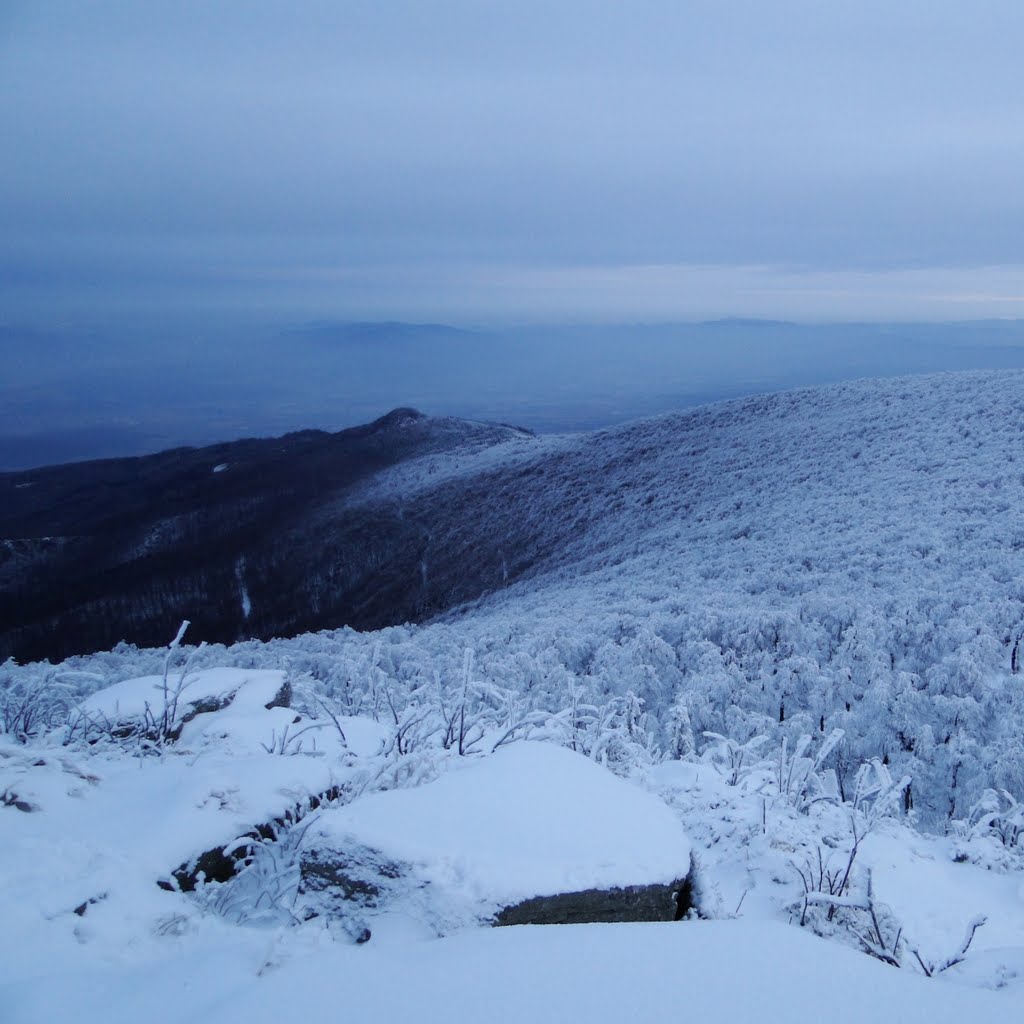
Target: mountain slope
(230, 535)
(847, 557)
(857, 487)
(857, 492)
(844, 491)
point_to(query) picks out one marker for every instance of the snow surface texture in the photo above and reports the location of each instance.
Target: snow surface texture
(99, 824)
(106, 825)
(715, 971)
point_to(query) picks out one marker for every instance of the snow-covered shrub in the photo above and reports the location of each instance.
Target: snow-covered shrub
(620, 737)
(157, 724)
(466, 710)
(33, 704)
(999, 814)
(412, 718)
(879, 933)
(165, 721)
(289, 743)
(876, 795)
(735, 761)
(614, 731)
(931, 967)
(264, 890)
(679, 727)
(801, 780)
(993, 832)
(828, 899)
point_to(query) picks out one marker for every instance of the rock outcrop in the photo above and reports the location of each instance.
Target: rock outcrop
(534, 834)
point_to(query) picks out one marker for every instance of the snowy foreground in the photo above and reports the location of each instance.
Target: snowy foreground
(90, 936)
(719, 970)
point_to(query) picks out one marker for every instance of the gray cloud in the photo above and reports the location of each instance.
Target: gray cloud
(459, 158)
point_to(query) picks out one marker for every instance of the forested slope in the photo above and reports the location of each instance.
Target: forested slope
(234, 535)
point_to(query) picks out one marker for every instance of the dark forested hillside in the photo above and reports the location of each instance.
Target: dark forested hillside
(244, 538)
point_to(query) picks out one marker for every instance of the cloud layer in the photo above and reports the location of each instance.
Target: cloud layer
(464, 159)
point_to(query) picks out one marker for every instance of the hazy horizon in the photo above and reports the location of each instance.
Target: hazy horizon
(585, 185)
(74, 393)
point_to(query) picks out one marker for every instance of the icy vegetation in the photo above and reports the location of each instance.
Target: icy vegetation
(791, 625)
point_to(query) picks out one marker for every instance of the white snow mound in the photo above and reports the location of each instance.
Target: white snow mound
(533, 819)
(132, 698)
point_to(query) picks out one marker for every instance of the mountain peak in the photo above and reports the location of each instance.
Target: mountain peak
(397, 417)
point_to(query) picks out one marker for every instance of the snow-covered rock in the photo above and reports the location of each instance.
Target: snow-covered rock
(532, 820)
(170, 702)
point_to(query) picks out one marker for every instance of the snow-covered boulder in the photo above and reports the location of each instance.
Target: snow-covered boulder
(159, 707)
(217, 757)
(531, 834)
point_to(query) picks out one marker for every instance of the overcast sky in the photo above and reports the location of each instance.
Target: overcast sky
(474, 161)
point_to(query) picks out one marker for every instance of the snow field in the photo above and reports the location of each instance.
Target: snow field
(719, 970)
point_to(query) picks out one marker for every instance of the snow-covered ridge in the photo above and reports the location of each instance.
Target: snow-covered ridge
(849, 487)
(789, 490)
(427, 472)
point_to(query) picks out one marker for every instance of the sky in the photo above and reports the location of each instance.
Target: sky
(480, 163)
